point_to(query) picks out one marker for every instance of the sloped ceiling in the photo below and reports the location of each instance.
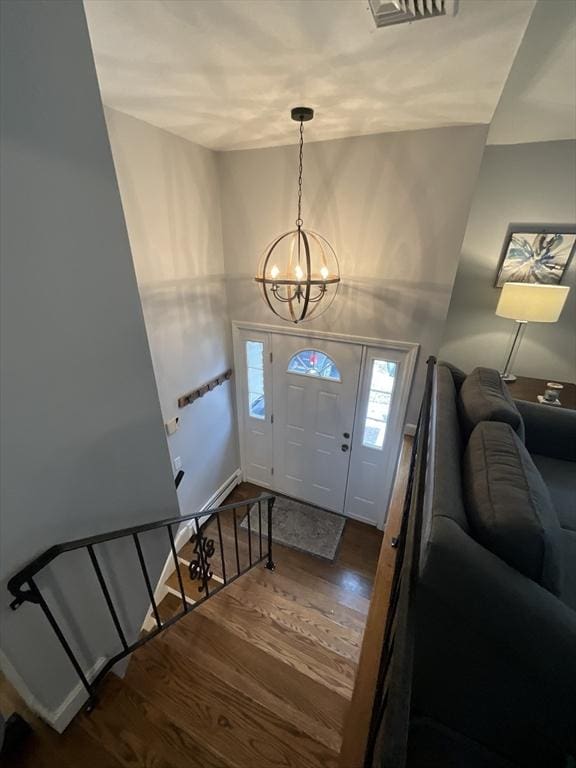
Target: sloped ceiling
(538, 102)
(224, 73)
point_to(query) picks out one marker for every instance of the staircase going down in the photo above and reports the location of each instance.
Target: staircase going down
(258, 676)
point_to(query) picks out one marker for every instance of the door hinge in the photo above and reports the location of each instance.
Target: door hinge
(271, 418)
(272, 470)
(271, 357)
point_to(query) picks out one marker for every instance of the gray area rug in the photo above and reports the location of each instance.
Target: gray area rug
(301, 526)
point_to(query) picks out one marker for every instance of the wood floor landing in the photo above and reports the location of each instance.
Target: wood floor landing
(259, 676)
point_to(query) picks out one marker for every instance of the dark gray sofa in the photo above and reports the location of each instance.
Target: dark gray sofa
(495, 650)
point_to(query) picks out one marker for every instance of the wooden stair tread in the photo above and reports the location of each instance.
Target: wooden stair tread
(163, 743)
(227, 721)
(279, 687)
(314, 595)
(302, 621)
(254, 625)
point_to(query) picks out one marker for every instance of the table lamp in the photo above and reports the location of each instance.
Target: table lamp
(529, 303)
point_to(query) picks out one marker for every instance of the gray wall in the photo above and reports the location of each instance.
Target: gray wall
(83, 449)
(394, 206)
(525, 183)
(171, 199)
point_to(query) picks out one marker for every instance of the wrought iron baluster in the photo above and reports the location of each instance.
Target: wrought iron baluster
(39, 599)
(249, 536)
(177, 565)
(107, 596)
(236, 542)
(270, 563)
(200, 568)
(260, 528)
(221, 549)
(147, 580)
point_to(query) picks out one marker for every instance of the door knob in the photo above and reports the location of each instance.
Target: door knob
(346, 435)
(344, 447)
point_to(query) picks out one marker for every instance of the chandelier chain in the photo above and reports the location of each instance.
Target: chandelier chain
(299, 221)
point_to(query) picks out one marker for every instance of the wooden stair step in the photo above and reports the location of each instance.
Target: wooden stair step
(275, 685)
(226, 720)
(263, 631)
(315, 595)
(298, 619)
(145, 735)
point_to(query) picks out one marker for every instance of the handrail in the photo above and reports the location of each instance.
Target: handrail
(199, 569)
(390, 722)
(45, 558)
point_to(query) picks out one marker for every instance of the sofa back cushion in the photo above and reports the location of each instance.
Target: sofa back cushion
(509, 507)
(485, 397)
(444, 492)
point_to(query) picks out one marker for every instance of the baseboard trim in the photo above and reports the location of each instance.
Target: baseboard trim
(410, 429)
(62, 716)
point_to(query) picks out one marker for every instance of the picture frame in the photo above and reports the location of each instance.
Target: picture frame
(536, 254)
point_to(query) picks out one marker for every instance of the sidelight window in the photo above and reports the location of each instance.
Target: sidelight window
(255, 375)
(381, 388)
(312, 362)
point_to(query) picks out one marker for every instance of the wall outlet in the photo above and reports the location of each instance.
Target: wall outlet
(171, 426)
(177, 464)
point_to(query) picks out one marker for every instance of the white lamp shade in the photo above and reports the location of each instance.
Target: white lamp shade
(532, 302)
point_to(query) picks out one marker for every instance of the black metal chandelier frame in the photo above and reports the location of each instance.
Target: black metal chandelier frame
(306, 288)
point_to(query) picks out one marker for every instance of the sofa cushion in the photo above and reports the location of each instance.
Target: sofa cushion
(485, 397)
(509, 507)
(458, 375)
(560, 479)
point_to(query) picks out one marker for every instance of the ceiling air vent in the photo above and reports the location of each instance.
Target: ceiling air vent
(388, 12)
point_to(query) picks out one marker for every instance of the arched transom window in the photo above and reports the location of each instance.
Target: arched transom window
(312, 362)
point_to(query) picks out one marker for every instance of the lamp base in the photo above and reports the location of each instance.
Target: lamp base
(507, 377)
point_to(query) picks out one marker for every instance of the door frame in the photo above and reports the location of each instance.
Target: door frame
(404, 385)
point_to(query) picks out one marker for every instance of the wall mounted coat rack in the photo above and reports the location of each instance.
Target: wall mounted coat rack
(189, 397)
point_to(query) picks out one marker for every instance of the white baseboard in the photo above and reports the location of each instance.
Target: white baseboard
(410, 429)
(62, 716)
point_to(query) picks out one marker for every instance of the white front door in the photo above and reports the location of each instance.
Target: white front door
(315, 391)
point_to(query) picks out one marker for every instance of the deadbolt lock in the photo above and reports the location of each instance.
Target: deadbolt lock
(345, 447)
(346, 435)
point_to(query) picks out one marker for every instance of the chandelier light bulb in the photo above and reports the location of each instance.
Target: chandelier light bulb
(298, 272)
(274, 272)
(324, 272)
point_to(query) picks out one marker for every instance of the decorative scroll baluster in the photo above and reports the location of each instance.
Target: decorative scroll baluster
(200, 567)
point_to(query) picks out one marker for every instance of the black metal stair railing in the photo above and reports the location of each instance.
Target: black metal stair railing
(390, 722)
(23, 586)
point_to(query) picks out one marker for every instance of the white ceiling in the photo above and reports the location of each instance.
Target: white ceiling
(224, 73)
(539, 99)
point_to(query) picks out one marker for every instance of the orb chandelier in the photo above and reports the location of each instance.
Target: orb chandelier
(299, 273)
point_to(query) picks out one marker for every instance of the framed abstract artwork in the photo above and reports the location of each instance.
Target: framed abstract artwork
(536, 256)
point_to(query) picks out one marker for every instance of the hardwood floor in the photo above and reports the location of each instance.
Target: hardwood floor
(259, 676)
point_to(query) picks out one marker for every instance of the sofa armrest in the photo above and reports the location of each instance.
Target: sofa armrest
(550, 431)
